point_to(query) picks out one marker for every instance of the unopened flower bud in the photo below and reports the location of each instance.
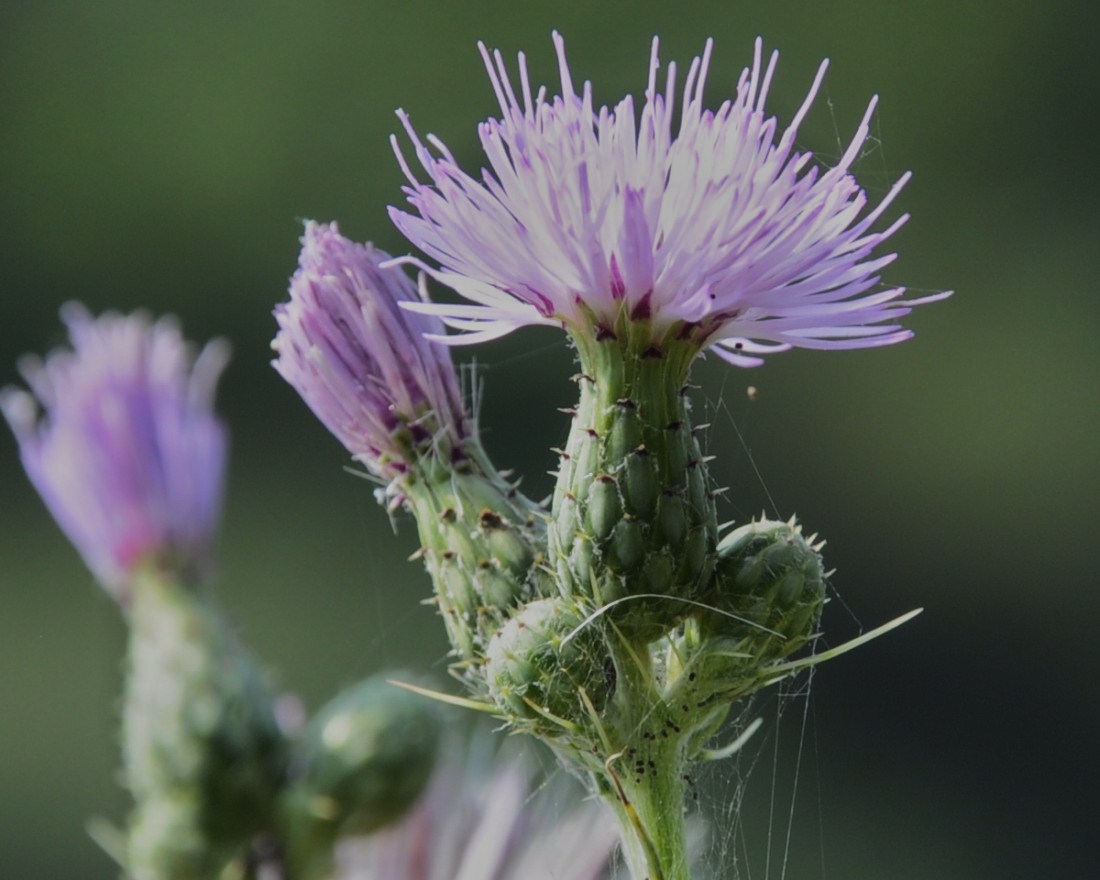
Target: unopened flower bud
(360, 360)
(541, 661)
(771, 580)
(360, 764)
(363, 361)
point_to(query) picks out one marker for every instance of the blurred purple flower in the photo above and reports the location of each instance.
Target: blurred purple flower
(717, 231)
(480, 820)
(126, 451)
(360, 361)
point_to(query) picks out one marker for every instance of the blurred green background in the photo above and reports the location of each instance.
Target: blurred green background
(162, 154)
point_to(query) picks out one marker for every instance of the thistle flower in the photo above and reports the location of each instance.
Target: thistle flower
(360, 361)
(479, 820)
(715, 231)
(120, 439)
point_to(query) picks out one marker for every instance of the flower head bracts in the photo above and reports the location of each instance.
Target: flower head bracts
(127, 452)
(717, 231)
(360, 361)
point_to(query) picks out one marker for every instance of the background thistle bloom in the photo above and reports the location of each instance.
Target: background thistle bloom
(360, 361)
(120, 439)
(129, 458)
(714, 230)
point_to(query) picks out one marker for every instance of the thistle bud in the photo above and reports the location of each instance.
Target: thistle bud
(771, 579)
(360, 361)
(540, 662)
(360, 764)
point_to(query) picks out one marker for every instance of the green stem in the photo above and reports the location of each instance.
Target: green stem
(650, 808)
(639, 767)
(202, 752)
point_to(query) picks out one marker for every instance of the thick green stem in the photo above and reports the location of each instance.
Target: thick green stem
(651, 811)
(644, 776)
(202, 752)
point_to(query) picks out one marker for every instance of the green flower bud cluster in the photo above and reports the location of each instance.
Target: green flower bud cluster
(553, 667)
(617, 628)
(634, 615)
(202, 753)
(360, 763)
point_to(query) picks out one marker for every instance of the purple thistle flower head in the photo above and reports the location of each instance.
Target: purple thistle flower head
(714, 230)
(361, 361)
(120, 438)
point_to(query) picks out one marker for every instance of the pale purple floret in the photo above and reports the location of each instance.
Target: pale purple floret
(482, 821)
(719, 229)
(120, 439)
(360, 361)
